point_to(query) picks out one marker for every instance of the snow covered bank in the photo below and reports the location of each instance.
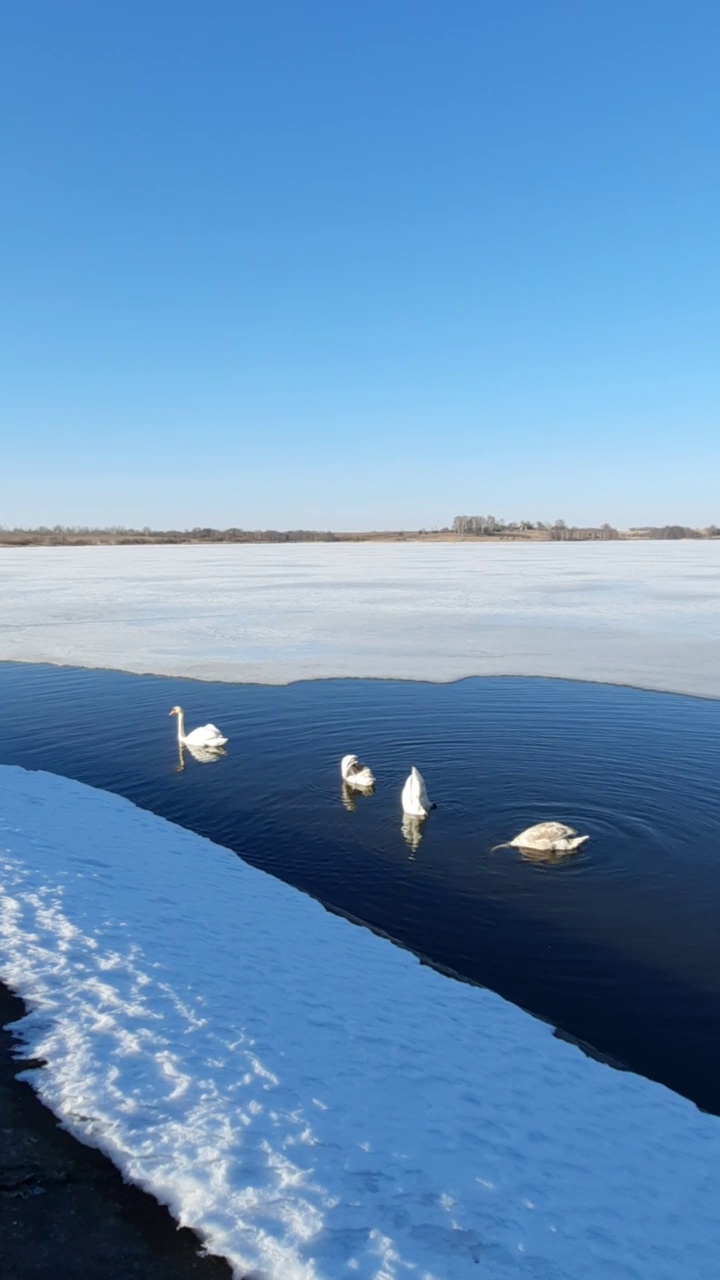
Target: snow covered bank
(646, 614)
(309, 1097)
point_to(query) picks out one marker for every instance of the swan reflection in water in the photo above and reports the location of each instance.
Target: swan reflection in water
(548, 857)
(412, 829)
(349, 795)
(203, 755)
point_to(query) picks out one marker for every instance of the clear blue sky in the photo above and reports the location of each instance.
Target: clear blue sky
(343, 264)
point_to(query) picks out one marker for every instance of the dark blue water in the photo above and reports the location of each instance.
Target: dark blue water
(618, 945)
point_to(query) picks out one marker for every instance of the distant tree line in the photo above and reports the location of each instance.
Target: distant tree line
(677, 531)
(490, 526)
(84, 535)
(559, 531)
(462, 526)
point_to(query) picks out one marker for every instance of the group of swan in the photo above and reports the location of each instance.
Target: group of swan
(415, 803)
(544, 837)
(207, 742)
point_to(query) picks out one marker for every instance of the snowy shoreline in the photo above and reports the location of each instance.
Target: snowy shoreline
(307, 1096)
(640, 614)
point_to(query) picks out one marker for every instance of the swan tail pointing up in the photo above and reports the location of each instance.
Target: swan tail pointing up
(415, 800)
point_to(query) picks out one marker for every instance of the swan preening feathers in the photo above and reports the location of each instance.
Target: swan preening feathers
(208, 736)
(356, 774)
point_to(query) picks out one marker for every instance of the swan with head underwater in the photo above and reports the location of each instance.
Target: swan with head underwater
(546, 837)
(208, 736)
(415, 802)
(355, 774)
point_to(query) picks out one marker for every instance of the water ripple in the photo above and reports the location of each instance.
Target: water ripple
(617, 945)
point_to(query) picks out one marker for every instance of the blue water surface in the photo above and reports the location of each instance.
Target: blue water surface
(618, 946)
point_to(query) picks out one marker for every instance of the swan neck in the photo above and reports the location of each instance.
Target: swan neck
(181, 725)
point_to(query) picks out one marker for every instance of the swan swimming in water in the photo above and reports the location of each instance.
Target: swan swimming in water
(546, 837)
(415, 801)
(356, 774)
(208, 735)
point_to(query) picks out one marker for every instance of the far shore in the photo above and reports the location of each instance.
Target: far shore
(121, 538)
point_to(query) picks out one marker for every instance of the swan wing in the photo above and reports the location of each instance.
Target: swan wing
(346, 766)
(546, 831)
(420, 789)
(407, 797)
(355, 773)
(549, 836)
(414, 796)
(362, 776)
(206, 734)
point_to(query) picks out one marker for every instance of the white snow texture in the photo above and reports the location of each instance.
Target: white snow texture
(642, 613)
(306, 1095)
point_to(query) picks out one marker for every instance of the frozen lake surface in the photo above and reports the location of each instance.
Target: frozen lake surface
(222, 1038)
(646, 614)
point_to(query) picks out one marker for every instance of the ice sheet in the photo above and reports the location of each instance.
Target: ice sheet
(642, 613)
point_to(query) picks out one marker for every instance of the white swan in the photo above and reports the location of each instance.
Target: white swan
(356, 774)
(547, 837)
(415, 801)
(208, 735)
